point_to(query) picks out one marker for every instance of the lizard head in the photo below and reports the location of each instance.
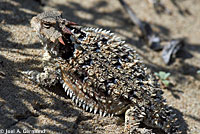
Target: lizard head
(51, 27)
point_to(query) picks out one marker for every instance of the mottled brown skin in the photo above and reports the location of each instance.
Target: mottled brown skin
(100, 74)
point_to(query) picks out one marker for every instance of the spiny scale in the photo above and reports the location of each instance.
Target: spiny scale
(80, 103)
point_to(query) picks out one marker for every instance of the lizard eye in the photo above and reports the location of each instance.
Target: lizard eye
(47, 25)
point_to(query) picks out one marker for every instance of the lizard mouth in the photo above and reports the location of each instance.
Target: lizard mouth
(66, 47)
(60, 39)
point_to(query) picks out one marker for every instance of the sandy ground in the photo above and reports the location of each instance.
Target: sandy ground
(25, 106)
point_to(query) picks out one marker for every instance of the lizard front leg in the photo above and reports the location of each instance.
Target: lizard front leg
(133, 117)
(50, 75)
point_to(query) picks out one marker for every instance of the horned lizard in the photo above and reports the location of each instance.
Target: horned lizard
(100, 73)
